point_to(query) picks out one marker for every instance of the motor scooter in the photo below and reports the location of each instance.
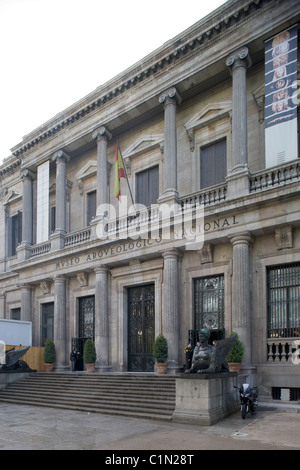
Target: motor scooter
(248, 399)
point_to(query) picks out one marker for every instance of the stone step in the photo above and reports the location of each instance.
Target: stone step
(127, 395)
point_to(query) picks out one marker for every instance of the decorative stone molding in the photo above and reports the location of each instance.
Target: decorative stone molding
(206, 254)
(89, 170)
(284, 237)
(209, 114)
(83, 279)
(143, 144)
(46, 287)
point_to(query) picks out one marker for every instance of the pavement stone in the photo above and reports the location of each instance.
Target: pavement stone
(24, 427)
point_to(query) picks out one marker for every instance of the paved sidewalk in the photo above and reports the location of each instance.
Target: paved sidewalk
(37, 428)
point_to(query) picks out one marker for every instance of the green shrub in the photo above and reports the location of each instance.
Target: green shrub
(49, 352)
(160, 349)
(237, 352)
(89, 352)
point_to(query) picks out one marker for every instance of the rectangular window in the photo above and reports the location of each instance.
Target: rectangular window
(91, 206)
(284, 301)
(47, 327)
(213, 163)
(14, 233)
(15, 314)
(52, 219)
(147, 186)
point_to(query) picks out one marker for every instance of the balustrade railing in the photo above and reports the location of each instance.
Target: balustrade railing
(281, 350)
(78, 237)
(40, 249)
(276, 176)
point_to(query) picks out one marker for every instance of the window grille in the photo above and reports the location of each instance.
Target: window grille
(284, 301)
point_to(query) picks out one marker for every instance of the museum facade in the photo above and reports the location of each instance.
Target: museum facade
(206, 231)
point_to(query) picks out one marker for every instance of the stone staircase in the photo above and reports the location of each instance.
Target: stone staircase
(134, 395)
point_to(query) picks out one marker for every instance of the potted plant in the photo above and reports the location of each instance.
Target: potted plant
(49, 355)
(89, 355)
(160, 354)
(236, 355)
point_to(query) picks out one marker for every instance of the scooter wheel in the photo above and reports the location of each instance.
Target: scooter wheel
(244, 411)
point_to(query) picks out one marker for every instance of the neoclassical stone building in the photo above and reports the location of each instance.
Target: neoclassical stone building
(190, 120)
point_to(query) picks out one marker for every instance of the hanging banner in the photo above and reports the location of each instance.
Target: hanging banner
(42, 232)
(280, 108)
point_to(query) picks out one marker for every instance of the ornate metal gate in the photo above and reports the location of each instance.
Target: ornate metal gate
(209, 306)
(141, 328)
(86, 327)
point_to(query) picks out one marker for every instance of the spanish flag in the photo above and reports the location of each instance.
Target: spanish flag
(119, 172)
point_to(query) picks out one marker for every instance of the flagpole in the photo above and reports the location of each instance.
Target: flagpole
(125, 171)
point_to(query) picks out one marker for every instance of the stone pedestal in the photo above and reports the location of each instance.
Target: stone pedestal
(205, 399)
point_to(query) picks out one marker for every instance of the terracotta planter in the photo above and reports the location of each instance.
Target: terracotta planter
(49, 367)
(90, 368)
(235, 367)
(161, 367)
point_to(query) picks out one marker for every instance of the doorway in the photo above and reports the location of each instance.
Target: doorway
(141, 328)
(86, 327)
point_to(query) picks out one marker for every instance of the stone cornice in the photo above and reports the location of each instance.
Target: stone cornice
(198, 36)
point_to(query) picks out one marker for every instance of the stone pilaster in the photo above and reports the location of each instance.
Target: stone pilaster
(170, 322)
(170, 99)
(60, 321)
(26, 302)
(101, 318)
(238, 179)
(241, 312)
(102, 136)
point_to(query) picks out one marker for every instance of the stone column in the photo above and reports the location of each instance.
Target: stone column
(102, 136)
(101, 318)
(170, 99)
(238, 62)
(26, 302)
(2, 304)
(61, 158)
(27, 223)
(241, 313)
(170, 322)
(60, 321)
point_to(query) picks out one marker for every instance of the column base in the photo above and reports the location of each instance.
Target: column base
(23, 251)
(57, 240)
(238, 182)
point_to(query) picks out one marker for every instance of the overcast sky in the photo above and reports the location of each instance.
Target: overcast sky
(54, 52)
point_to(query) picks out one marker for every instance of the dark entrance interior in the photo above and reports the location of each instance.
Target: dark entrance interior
(86, 327)
(141, 328)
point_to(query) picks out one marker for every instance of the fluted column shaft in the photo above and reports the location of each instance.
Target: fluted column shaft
(241, 312)
(238, 62)
(61, 159)
(170, 323)
(26, 303)
(102, 136)
(170, 99)
(101, 317)
(27, 207)
(60, 320)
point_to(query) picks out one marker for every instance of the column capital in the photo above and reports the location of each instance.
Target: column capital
(26, 174)
(244, 238)
(59, 278)
(60, 156)
(239, 58)
(101, 133)
(170, 96)
(172, 253)
(102, 269)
